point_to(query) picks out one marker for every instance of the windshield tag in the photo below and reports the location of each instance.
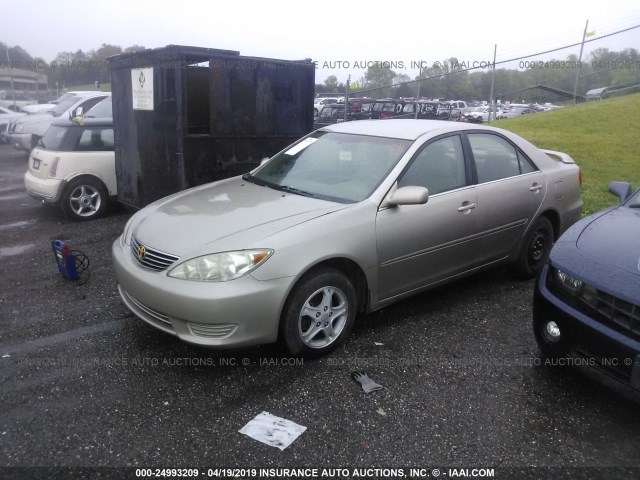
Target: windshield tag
(344, 155)
(300, 146)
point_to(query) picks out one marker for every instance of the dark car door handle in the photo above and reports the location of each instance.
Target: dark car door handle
(466, 206)
(535, 187)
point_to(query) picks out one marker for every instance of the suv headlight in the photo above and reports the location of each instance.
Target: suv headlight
(220, 267)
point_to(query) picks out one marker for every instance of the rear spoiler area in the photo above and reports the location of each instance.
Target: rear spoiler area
(563, 157)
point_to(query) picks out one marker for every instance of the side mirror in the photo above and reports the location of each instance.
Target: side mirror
(410, 195)
(622, 190)
(79, 111)
(264, 160)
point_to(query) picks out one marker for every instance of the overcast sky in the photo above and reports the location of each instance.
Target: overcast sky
(325, 31)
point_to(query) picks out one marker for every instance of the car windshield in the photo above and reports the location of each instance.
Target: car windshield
(63, 97)
(63, 106)
(103, 109)
(52, 139)
(332, 166)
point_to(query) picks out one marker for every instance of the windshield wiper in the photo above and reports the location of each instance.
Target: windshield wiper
(248, 177)
(297, 191)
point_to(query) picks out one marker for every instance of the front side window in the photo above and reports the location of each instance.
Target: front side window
(439, 167)
(96, 139)
(496, 158)
(333, 166)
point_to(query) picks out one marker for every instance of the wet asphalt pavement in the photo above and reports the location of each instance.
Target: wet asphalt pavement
(83, 383)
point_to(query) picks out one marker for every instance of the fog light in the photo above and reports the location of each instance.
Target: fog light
(551, 332)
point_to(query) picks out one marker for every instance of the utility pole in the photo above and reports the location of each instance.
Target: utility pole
(493, 78)
(13, 91)
(575, 88)
(346, 98)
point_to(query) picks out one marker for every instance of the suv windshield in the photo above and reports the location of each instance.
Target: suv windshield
(52, 139)
(102, 109)
(64, 105)
(333, 166)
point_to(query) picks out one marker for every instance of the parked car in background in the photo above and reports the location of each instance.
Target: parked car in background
(26, 131)
(362, 106)
(320, 102)
(6, 115)
(386, 108)
(463, 107)
(587, 297)
(352, 217)
(481, 114)
(514, 112)
(31, 106)
(334, 113)
(73, 166)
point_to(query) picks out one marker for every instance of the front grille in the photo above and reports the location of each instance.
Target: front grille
(150, 257)
(610, 310)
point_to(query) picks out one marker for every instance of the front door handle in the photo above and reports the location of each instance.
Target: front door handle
(466, 207)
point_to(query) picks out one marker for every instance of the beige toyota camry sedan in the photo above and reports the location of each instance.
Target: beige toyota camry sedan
(348, 219)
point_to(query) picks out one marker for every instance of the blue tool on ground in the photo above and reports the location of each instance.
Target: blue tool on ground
(71, 263)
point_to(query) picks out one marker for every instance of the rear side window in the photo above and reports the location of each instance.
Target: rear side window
(96, 139)
(53, 138)
(496, 158)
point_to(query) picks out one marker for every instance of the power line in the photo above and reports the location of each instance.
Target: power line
(499, 62)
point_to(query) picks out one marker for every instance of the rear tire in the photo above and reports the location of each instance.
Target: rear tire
(535, 249)
(84, 199)
(319, 313)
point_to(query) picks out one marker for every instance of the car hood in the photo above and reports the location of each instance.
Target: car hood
(230, 214)
(613, 239)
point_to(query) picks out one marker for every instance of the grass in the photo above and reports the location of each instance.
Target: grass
(603, 137)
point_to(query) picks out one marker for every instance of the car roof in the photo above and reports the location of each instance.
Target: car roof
(86, 122)
(407, 129)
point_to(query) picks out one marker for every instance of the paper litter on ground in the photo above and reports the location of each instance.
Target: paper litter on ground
(274, 431)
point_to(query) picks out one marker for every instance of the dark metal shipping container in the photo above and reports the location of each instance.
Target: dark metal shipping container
(185, 116)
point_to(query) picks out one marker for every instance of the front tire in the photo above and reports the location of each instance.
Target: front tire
(535, 249)
(84, 199)
(319, 313)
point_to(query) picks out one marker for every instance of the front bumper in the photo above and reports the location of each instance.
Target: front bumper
(612, 356)
(21, 141)
(47, 190)
(238, 313)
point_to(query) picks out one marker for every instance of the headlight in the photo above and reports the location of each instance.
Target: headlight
(568, 283)
(18, 128)
(220, 267)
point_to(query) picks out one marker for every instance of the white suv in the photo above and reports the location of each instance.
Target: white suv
(320, 102)
(25, 132)
(73, 166)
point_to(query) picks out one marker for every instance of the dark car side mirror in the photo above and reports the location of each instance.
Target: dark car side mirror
(622, 190)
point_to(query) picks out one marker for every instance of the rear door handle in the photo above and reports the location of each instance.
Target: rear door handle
(466, 207)
(535, 188)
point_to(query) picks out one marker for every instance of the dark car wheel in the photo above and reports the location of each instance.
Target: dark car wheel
(84, 199)
(319, 313)
(535, 249)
